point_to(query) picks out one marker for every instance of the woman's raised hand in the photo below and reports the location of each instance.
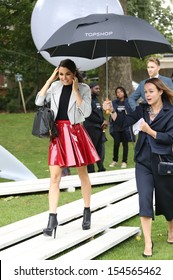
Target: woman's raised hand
(54, 75)
(75, 87)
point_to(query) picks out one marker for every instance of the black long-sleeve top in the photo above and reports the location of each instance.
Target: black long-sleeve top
(63, 103)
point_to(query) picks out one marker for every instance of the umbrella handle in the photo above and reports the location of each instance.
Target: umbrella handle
(107, 111)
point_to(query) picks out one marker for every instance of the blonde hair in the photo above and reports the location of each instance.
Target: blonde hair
(153, 59)
(160, 85)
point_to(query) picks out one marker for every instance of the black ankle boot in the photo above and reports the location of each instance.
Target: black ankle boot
(86, 224)
(52, 225)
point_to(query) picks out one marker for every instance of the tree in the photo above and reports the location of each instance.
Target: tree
(158, 16)
(155, 13)
(18, 53)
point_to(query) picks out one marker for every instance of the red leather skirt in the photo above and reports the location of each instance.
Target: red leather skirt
(73, 146)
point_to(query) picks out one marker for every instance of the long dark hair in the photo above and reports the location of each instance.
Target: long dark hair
(123, 90)
(68, 63)
(160, 85)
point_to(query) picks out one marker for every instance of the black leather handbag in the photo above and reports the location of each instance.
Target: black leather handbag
(165, 167)
(44, 125)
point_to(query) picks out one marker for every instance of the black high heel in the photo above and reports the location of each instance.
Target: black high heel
(51, 226)
(86, 224)
(148, 256)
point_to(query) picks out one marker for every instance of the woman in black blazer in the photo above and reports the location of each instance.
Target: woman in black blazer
(155, 141)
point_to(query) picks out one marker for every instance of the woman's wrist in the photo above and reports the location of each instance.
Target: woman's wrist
(153, 133)
(76, 92)
(48, 82)
(112, 111)
(113, 115)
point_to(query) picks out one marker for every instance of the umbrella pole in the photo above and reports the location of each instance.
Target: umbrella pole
(106, 77)
(107, 67)
(107, 73)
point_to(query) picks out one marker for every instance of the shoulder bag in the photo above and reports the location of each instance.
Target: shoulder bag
(165, 167)
(44, 125)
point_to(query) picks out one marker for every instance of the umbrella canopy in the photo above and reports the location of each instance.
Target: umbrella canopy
(103, 35)
(99, 35)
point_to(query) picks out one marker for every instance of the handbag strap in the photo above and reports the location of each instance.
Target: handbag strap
(131, 133)
(46, 103)
(160, 158)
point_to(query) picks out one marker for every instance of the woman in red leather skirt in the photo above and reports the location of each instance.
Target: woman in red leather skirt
(70, 100)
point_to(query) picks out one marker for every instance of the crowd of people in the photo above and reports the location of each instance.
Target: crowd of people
(81, 123)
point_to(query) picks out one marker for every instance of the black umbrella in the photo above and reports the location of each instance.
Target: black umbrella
(99, 35)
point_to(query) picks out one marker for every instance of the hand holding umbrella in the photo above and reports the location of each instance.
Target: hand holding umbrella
(107, 110)
(108, 107)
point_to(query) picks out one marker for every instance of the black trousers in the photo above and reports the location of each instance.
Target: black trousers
(150, 183)
(120, 136)
(96, 135)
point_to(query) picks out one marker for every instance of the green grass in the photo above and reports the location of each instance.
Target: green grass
(132, 248)
(16, 137)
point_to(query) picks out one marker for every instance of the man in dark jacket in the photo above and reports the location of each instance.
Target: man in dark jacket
(95, 125)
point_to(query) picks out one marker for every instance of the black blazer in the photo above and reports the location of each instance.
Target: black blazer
(163, 124)
(96, 117)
